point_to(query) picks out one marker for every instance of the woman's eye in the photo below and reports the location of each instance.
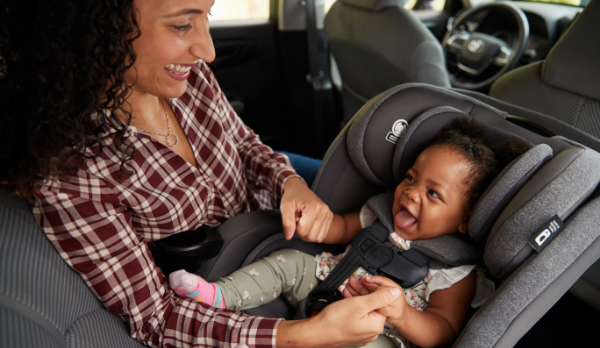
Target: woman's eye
(181, 27)
(434, 194)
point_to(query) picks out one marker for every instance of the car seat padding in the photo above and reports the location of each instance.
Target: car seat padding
(558, 188)
(504, 187)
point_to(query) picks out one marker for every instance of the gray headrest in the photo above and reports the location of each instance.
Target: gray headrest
(572, 64)
(504, 188)
(373, 5)
(558, 188)
(453, 249)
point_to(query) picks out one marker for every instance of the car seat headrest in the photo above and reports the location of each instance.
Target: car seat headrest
(572, 63)
(386, 128)
(504, 187)
(374, 5)
(452, 249)
(557, 188)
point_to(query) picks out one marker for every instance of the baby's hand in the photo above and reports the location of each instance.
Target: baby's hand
(366, 285)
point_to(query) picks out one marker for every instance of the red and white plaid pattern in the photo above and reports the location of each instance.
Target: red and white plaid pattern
(100, 221)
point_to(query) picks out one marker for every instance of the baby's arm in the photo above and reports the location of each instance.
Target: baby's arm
(439, 323)
(343, 228)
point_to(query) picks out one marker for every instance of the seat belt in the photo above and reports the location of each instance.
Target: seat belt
(372, 250)
(316, 74)
(312, 36)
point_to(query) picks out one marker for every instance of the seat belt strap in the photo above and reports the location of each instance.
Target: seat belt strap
(312, 36)
(344, 269)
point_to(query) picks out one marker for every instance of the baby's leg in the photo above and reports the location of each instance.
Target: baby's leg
(288, 272)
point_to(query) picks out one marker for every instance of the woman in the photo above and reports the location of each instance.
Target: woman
(118, 132)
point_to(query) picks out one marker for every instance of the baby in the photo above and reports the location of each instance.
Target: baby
(436, 198)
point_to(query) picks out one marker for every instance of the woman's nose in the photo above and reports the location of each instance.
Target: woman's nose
(202, 46)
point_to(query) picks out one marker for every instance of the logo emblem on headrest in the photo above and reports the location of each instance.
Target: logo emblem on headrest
(475, 45)
(397, 129)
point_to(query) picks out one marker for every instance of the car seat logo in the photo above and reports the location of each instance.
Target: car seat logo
(475, 45)
(544, 235)
(397, 129)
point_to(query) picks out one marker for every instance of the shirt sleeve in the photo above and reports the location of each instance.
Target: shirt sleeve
(264, 168)
(92, 231)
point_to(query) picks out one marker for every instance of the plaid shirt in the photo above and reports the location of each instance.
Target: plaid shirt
(100, 221)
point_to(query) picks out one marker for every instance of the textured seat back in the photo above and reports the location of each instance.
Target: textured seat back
(377, 44)
(566, 85)
(43, 302)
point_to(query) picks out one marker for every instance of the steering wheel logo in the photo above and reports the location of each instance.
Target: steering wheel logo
(475, 45)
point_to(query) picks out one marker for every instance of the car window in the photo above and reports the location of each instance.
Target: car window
(437, 5)
(565, 2)
(224, 10)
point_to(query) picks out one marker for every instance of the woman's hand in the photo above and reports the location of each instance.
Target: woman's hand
(304, 213)
(395, 311)
(349, 322)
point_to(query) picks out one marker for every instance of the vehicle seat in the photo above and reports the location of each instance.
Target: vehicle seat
(43, 301)
(377, 44)
(566, 86)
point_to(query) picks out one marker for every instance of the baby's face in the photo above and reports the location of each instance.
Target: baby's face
(431, 200)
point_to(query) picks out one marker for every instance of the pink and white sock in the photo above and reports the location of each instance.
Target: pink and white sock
(194, 287)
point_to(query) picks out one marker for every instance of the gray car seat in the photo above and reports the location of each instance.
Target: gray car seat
(563, 91)
(45, 303)
(556, 177)
(377, 44)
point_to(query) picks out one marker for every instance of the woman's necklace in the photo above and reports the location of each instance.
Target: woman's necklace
(168, 136)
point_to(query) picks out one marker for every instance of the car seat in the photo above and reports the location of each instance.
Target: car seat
(377, 44)
(43, 302)
(556, 177)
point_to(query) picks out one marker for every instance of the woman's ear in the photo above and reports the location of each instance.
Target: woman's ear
(462, 228)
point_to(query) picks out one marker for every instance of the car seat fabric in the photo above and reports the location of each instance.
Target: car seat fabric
(556, 189)
(504, 187)
(565, 85)
(537, 284)
(43, 302)
(377, 44)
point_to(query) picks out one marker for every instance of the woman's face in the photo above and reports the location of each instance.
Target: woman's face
(174, 36)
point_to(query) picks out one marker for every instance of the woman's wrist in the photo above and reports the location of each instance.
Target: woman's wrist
(293, 181)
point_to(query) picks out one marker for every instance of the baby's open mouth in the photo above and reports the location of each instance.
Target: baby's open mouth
(404, 219)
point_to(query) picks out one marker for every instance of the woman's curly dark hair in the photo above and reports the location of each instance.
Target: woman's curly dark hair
(468, 137)
(61, 62)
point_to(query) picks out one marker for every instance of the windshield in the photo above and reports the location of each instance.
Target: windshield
(565, 2)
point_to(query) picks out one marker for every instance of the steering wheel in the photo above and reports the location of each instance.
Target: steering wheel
(479, 55)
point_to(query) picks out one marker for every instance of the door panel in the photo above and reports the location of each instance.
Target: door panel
(248, 69)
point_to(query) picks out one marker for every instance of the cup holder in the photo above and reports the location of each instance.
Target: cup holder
(187, 250)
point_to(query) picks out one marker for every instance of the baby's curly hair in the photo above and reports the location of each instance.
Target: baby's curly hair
(467, 137)
(61, 62)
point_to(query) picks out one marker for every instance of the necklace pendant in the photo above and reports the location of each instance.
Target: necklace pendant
(169, 139)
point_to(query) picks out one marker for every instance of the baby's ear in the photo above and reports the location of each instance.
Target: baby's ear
(462, 228)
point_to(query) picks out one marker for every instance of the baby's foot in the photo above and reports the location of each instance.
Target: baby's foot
(194, 287)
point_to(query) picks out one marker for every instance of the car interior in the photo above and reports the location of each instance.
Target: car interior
(524, 68)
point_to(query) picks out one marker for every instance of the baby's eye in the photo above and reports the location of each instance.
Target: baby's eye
(410, 178)
(434, 194)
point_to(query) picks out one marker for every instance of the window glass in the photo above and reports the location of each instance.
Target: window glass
(437, 5)
(224, 10)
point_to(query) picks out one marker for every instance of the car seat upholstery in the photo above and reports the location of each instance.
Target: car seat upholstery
(377, 44)
(566, 85)
(43, 301)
